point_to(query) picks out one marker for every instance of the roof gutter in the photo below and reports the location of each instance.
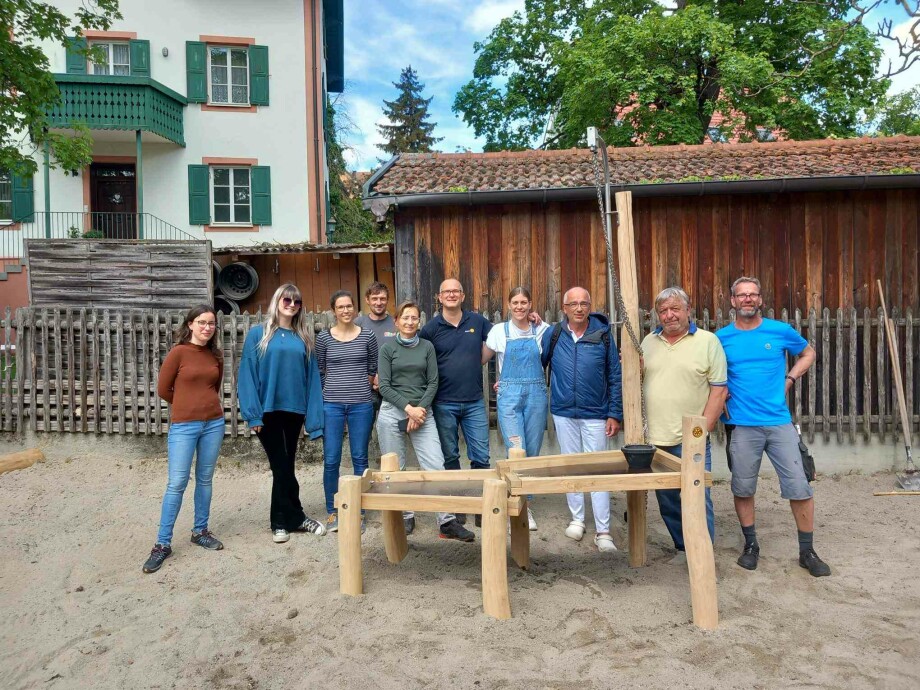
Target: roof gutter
(701, 188)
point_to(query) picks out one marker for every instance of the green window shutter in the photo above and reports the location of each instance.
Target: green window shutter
(76, 60)
(199, 195)
(140, 58)
(261, 195)
(23, 199)
(196, 71)
(258, 75)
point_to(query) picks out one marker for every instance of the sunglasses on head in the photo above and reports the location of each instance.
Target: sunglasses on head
(288, 301)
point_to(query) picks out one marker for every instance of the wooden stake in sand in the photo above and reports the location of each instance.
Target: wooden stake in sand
(896, 493)
(21, 460)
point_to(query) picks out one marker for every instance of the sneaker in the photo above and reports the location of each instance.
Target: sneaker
(363, 524)
(604, 543)
(312, 526)
(813, 563)
(409, 524)
(279, 536)
(454, 530)
(680, 558)
(531, 523)
(575, 530)
(748, 559)
(332, 522)
(461, 518)
(206, 539)
(158, 554)
(477, 520)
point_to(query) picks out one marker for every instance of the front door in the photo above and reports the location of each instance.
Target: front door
(113, 195)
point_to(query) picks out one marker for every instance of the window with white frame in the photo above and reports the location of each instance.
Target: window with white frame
(229, 75)
(230, 194)
(6, 196)
(117, 59)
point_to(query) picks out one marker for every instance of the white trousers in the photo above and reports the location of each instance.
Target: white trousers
(585, 436)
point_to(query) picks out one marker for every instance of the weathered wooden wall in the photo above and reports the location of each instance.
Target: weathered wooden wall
(317, 274)
(811, 250)
(85, 371)
(119, 274)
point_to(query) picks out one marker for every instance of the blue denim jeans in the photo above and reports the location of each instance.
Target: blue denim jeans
(451, 417)
(522, 415)
(185, 441)
(360, 420)
(669, 503)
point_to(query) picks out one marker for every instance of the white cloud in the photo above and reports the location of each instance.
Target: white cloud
(909, 78)
(489, 13)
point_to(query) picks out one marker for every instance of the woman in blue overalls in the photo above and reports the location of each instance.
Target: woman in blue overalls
(521, 382)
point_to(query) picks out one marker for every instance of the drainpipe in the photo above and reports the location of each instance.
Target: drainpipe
(47, 190)
(139, 178)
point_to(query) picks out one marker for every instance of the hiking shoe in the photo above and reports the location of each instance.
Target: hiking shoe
(575, 530)
(477, 520)
(206, 539)
(279, 536)
(461, 518)
(409, 524)
(679, 558)
(363, 524)
(531, 523)
(312, 526)
(454, 530)
(748, 559)
(332, 522)
(604, 543)
(158, 554)
(812, 562)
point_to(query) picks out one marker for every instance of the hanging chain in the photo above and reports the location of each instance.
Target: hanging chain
(617, 294)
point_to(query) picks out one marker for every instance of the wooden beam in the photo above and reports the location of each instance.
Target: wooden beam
(495, 600)
(351, 574)
(21, 460)
(394, 529)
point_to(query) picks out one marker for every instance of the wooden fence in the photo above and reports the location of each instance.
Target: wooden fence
(85, 371)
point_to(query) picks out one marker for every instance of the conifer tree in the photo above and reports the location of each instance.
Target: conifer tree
(411, 130)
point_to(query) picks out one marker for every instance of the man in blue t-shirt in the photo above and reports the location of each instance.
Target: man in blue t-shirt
(458, 337)
(758, 419)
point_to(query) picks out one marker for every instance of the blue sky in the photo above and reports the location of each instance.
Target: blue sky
(436, 37)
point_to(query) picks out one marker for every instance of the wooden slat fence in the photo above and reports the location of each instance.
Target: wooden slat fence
(91, 371)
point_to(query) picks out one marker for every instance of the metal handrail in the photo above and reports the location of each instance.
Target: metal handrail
(85, 224)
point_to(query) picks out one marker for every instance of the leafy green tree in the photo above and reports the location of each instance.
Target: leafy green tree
(411, 131)
(352, 223)
(27, 87)
(900, 114)
(643, 72)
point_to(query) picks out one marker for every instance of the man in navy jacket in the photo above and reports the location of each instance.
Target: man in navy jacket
(586, 399)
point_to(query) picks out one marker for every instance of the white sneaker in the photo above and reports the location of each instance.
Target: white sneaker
(604, 542)
(575, 530)
(279, 536)
(531, 523)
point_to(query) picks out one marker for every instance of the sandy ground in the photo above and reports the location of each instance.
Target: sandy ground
(76, 611)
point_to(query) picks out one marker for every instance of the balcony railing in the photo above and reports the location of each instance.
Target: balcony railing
(126, 103)
(77, 224)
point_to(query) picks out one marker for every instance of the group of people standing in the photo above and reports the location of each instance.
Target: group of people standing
(423, 386)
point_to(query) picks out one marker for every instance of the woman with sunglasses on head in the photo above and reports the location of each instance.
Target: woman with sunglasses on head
(280, 394)
(347, 358)
(191, 380)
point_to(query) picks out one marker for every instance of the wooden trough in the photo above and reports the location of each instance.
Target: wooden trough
(499, 495)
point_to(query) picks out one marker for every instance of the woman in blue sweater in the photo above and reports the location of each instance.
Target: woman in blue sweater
(280, 394)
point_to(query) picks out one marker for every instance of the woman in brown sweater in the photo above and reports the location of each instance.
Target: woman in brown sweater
(191, 379)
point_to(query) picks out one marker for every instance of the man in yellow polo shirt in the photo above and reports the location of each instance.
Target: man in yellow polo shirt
(685, 374)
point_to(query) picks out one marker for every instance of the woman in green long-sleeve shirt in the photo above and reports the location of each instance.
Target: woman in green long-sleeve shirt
(408, 380)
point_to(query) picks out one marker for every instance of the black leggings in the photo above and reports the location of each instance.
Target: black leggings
(279, 436)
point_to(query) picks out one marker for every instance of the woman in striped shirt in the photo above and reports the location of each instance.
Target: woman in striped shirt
(347, 358)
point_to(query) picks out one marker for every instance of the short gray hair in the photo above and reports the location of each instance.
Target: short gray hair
(670, 293)
(745, 279)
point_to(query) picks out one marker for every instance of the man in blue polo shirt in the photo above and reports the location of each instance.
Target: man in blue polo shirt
(459, 337)
(759, 421)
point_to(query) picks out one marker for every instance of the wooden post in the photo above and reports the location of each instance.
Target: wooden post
(351, 575)
(495, 600)
(700, 559)
(21, 460)
(394, 529)
(636, 501)
(520, 528)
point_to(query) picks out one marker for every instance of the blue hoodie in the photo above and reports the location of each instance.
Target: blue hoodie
(585, 381)
(284, 379)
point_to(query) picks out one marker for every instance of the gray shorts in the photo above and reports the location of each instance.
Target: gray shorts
(781, 444)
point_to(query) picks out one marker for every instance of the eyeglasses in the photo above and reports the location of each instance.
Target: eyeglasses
(451, 292)
(748, 295)
(206, 324)
(409, 319)
(577, 305)
(288, 301)
(345, 307)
